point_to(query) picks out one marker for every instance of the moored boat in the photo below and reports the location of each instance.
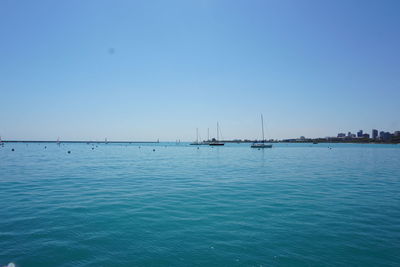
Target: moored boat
(216, 142)
(196, 143)
(262, 144)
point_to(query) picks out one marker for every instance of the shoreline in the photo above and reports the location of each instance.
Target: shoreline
(224, 141)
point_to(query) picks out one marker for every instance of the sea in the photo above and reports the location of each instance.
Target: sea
(169, 204)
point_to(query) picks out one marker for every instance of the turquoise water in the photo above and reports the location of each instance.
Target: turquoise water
(127, 205)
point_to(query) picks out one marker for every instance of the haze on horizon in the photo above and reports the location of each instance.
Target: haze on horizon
(143, 70)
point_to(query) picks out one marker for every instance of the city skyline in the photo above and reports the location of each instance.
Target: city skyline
(377, 135)
(86, 70)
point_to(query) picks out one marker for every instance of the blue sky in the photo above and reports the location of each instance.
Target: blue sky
(142, 70)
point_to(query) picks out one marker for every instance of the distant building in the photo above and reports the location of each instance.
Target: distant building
(360, 133)
(397, 133)
(366, 136)
(302, 138)
(374, 134)
(341, 135)
(349, 134)
(385, 136)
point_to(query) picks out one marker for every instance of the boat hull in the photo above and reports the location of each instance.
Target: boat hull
(216, 144)
(198, 144)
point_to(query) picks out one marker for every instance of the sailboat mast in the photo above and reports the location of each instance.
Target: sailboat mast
(208, 134)
(197, 135)
(217, 131)
(262, 126)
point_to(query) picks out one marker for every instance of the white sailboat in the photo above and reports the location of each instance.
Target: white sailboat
(197, 138)
(262, 144)
(216, 142)
(202, 143)
(206, 142)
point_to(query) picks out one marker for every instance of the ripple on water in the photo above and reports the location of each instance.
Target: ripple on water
(232, 206)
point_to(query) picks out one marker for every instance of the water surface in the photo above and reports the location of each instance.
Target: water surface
(127, 205)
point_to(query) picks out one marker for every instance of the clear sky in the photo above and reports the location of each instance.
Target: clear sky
(142, 70)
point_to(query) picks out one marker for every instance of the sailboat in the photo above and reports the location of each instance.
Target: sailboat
(216, 142)
(197, 138)
(262, 144)
(202, 143)
(206, 142)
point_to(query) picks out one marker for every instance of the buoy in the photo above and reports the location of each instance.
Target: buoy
(92, 148)
(45, 147)
(69, 152)
(12, 149)
(154, 150)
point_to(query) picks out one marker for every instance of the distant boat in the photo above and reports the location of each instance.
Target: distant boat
(206, 142)
(216, 142)
(203, 143)
(262, 144)
(196, 143)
